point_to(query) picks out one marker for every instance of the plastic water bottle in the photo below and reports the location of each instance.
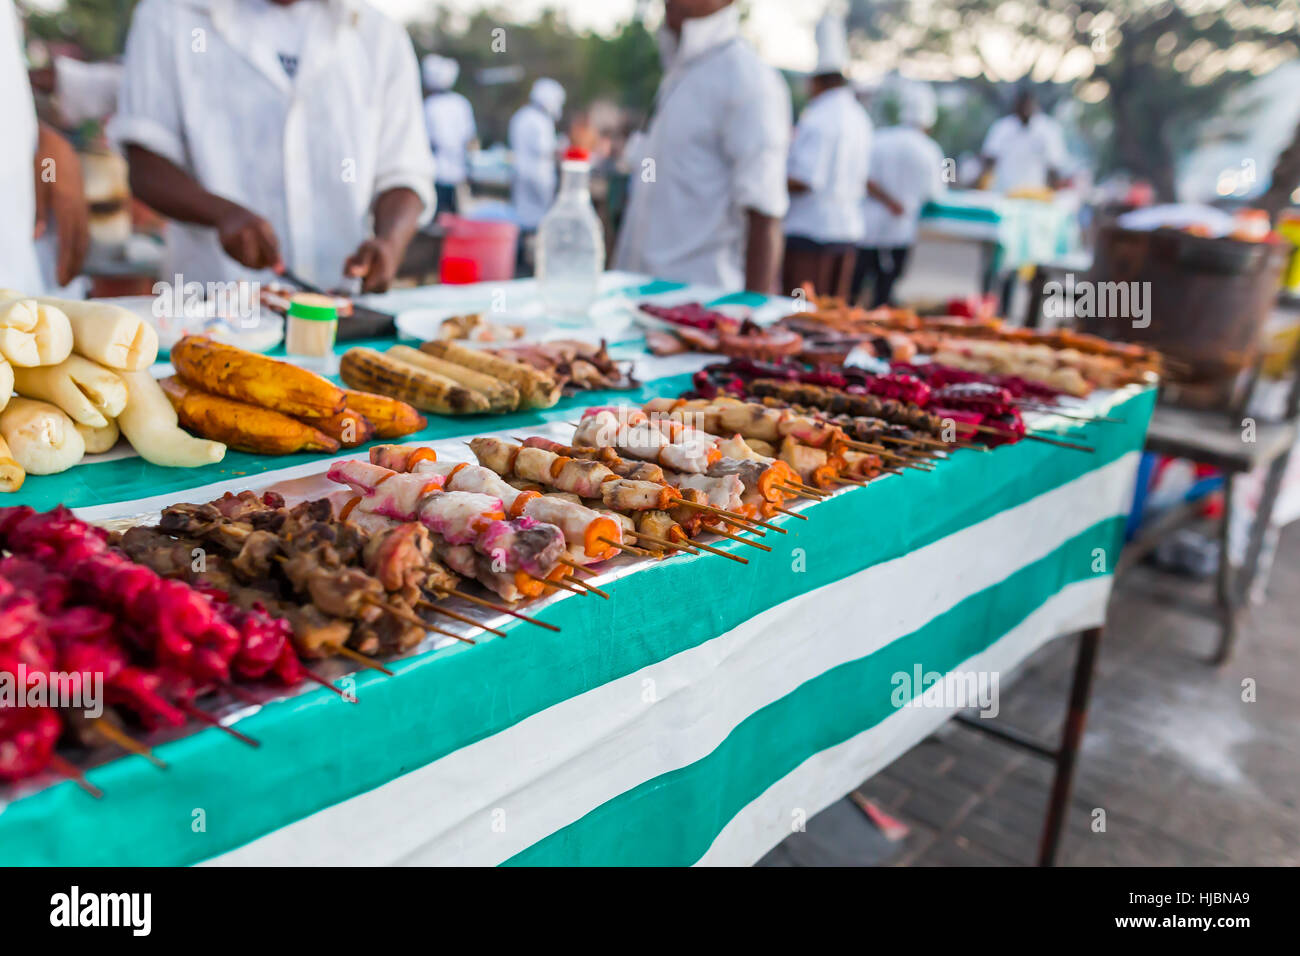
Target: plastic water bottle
(570, 245)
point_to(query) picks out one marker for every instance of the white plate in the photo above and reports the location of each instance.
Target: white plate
(610, 318)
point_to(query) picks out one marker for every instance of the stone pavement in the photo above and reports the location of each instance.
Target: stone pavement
(1185, 770)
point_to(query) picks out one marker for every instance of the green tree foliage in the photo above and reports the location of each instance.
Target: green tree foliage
(97, 27)
(622, 68)
(1150, 71)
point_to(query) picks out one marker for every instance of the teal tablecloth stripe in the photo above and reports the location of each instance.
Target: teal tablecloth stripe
(318, 750)
(673, 819)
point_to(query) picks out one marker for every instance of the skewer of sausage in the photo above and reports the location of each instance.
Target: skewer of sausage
(590, 536)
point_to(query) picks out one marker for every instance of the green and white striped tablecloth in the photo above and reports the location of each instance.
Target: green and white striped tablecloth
(697, 717)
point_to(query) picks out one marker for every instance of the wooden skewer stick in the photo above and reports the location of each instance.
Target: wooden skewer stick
(848, 479)
(457, 616)
(1034, 436)
(932, 446)
(362, 659)
(730, 516)
(558, 584)
(205, 717)
(499, 608)
(241, 694)
(639, 552)
(1057, 411)
(718, 551)
(787, 511)
(570, 563)
(401, 614)
(736, 537)
(798, 493)
(764, 524)
(75, 775)
(590, 587)
(124, 740)
(885, 454)
(923, 442)
(311, 675)
(812, 489)
(663, 545)
(452, 634)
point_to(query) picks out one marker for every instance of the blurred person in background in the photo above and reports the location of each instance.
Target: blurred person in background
(1024, 152)
(827, 173)
(535, 146)
(906, 171)
(450, 122)
(82, 91)
(40, 178)
(276, 133)
(708, 177)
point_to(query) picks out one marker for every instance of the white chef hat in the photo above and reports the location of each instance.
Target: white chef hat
(917, 106)
(440, 72)
(549, 95)
(832, 44)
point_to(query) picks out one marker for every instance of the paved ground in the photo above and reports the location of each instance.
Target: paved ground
(1186, 771)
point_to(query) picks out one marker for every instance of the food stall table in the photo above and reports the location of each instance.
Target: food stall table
(699, 716)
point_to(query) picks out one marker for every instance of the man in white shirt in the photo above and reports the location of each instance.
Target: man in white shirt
(534, 144)
(1024, 151)
(534, 147)
(450, 122)
(827, 174)
(906, 171)
(708, 178)
(276, 133)
(40, 178)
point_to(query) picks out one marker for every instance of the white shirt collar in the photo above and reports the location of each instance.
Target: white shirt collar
(699, 36)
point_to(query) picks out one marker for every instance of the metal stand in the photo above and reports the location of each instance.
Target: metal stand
(1065, 754)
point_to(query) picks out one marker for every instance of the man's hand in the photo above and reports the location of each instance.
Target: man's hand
(248, 238)
(60, 194)
(375, 262)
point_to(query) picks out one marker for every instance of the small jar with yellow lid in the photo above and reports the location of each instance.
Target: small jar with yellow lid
(312, 324)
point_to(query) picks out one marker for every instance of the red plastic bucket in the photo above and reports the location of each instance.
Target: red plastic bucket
(477, 251)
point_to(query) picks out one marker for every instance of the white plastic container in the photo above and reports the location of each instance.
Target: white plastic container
(570, 246)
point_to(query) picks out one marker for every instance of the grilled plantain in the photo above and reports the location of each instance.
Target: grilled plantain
(240, 425)
(255, 379)
(428, 391)
(349, 427)
(391, 418)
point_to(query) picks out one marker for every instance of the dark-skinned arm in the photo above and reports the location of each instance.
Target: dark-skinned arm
(165, 187)
(61, 196)
(764, 246)
(880, 195)
(794, 187)
(397, 216)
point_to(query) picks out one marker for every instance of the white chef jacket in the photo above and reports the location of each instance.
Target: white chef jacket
(830, 155)
(449, 121)
(206, 89)
(18, 265)
(85, 91)
(1024, 152)
(533, 143)
(717, 145)
(908, 165)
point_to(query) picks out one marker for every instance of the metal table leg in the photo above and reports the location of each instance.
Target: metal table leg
(1226, 588)
(1072, 735)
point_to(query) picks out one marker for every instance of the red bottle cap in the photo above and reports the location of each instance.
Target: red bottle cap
(458, 271)
(578, 153)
